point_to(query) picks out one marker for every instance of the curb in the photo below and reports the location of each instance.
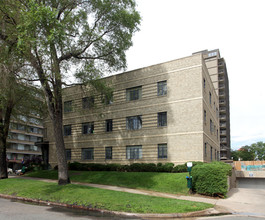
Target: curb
(206, 212)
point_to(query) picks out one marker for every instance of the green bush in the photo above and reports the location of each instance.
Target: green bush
(182, 168)
(211, 178)
(135, 167)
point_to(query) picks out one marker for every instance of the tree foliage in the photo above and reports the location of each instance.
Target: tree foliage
(59, 38)
(255, 151)
(17, 98)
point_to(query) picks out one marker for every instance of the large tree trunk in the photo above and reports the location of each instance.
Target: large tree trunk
(4, 128)
(63, 177)
(3, 164)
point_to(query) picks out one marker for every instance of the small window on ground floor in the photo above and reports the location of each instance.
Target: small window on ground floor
(134, 152)
(88, 153)
(68, 153)
(108, 153)
(162, 150)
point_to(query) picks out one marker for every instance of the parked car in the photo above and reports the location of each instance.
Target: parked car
(9, 171)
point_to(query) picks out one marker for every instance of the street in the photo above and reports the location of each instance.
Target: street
(10, 210)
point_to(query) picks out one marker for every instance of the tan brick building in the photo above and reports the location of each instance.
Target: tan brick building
(167, 112)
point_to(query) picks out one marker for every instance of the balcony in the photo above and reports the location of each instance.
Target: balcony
(222, 102)
(222, 117)
(222, 109)
(223, 125)
(223, 132)
(221, 79)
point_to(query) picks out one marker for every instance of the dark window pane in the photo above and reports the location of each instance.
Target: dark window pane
(134, 93)
(67, 130)
(109, 125)
(88, 102)
(87, 153)
(68, 154)
(162, 151)
(88, 128)
(162, 88)
(162, 119)
(108, 153)
(134, 122)
(68, 106)
(134, 152)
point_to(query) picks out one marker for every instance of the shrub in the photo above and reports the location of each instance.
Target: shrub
(211, 178)
(167, 167)
(182, 168)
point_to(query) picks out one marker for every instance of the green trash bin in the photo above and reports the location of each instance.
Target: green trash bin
(189, 181)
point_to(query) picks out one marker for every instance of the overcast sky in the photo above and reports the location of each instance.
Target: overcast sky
(172, 29)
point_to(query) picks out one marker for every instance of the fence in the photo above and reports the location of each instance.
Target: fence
(249, 165)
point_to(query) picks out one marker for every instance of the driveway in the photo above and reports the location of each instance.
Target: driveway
(245, 201)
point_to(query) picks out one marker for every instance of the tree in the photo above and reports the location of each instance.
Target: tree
(16, 98)
(259, 150)
(255, 151)
(61, 36)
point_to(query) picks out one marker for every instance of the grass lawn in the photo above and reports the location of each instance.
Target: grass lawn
(96, 198)
(161, 182)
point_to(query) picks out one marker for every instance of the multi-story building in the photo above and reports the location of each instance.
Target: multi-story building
(22, 139)
(217, 69)
(167, 112)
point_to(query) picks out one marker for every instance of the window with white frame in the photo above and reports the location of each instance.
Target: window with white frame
(162, 88)
(134, 152)
(162, 150)
(134, 122)
(134, 93)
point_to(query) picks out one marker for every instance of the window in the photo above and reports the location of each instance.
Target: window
(204, 117)
(211, 153)
(88, 102)
(21, 127)
(210, 98)
(162, 88)
(88, 128)
(134, 152)
(134, 122)
(211, 125)
(67, 130)
(217, 133)
(162, 119)
(67, 106)
(134, 93)
(215, 154)
(108, 153)
(205, 150)
(68, 154)
(204, 83)
(162, 150)
(107, 99)
(88, 153)
(109, 125)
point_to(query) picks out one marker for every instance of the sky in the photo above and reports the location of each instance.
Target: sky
(172, 29)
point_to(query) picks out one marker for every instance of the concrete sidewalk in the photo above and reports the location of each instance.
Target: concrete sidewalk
(248, 202)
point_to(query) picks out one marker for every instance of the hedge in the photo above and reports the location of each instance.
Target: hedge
(135, 167)
(211, 179)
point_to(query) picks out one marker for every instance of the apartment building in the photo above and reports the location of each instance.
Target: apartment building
(167, 112)
(218, 72)
(23, 136)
